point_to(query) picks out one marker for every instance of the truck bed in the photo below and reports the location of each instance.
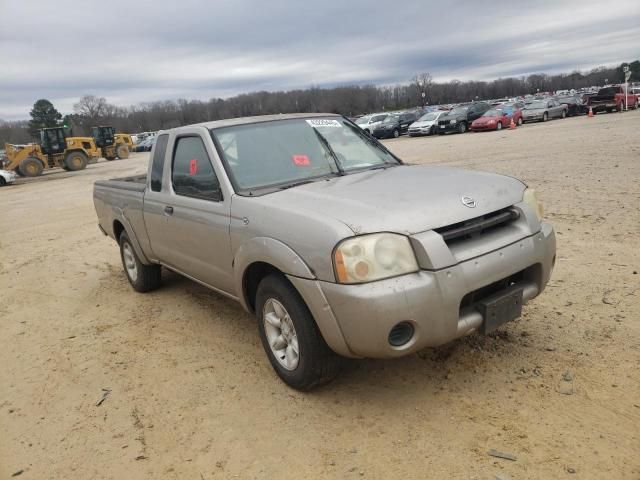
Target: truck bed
(135, 183)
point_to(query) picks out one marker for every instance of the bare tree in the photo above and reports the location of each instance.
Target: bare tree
(91, 107)
(423, 82)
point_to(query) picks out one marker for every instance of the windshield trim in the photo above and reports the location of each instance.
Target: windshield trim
(277, 187)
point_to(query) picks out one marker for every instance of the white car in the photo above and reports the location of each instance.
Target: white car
(425, 125)
(369, 122)
(7, 177)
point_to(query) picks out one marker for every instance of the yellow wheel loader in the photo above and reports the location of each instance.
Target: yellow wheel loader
(111, 146)
(55, 150)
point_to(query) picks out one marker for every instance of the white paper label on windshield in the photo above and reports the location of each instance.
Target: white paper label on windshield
(322, 122)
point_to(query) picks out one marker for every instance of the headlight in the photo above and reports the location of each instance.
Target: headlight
(531, 198)
(454, 121)
(373, 257)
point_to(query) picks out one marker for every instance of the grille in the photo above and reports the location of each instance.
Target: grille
(444, 122)
(477, 226)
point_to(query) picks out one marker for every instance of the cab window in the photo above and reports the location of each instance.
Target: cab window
(192, 173)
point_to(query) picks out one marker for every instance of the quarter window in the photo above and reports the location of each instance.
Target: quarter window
(193, 174)
(158, 163)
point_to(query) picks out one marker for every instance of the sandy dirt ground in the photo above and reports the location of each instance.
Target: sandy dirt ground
(190, 393)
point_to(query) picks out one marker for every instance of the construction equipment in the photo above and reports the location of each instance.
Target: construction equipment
(126, 139)
(111, 146)
(55, 150)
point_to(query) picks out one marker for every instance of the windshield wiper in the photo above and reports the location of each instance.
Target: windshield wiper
(295, 184)
(325, 142)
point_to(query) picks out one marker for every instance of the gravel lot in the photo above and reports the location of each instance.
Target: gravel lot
(190, 393)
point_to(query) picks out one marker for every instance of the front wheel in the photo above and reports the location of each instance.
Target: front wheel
(143, 278)
(563, 114)
(30, 167)
(290, 336)
(396, 133)
(122, 151)
(520, 122)
(621, 107)
(499, 126)
(462, 127)
(545, 117)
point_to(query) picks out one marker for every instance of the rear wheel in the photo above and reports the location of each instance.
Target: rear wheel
(75, 161)
(290, 336)
(122, 151)
(30, 167)
(143, 278)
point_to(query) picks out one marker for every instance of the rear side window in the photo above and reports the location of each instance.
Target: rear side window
(158, 162)
(193, 174)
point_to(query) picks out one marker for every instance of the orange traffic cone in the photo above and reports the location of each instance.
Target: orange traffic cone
(590, 112)
(512, 125)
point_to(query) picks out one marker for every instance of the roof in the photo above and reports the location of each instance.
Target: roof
(257, 119)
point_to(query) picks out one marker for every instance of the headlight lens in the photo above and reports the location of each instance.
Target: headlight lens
(373, 257)
(454, 121)
(531, 198)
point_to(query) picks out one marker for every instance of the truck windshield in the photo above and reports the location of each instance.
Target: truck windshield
(281, 153)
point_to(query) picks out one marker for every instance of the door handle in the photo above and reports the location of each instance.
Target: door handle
(168, 210)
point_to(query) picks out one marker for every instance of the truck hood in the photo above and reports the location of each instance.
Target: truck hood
(406, 199)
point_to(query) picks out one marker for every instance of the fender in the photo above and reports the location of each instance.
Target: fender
(271, 251)
(120, 216)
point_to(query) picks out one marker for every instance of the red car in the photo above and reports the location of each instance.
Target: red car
(497, 118)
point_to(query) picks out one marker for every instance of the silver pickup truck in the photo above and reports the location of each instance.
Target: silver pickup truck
(337, 247)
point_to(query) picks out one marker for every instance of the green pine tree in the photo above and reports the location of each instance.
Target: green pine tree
(43, 115)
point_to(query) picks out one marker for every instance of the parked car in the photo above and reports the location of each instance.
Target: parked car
(337, 247)
(575, 105)
(388, 128)
(370, 122)
(497, 119)
(145, 145)
(7, 177)
(425, 125)
(459, 118)
(393, 125)
(543, 110)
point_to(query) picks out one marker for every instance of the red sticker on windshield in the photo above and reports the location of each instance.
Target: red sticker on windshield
(301, 160)
(193, 167)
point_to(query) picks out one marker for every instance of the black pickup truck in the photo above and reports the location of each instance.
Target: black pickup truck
(460, 117)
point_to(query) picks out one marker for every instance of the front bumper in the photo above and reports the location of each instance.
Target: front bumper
(355, 320)
(422, 131)
(483, 127)
(447, 128)
(384, 133)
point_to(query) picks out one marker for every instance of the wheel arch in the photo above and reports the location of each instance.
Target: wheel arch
(259, 257)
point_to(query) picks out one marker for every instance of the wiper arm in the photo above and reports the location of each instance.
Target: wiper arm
(324, 142)
(295, 184)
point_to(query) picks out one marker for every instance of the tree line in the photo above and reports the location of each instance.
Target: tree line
(347, 100)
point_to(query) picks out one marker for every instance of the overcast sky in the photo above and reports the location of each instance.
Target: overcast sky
(132, 51)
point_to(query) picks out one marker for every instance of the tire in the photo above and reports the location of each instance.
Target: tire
(545, 117)
(284, 318)
(75, 161)
(462, 127)
(564, 114)
(122, 151)
(520, 121)
(30, 167)
(621, 107)
(396, 133)
(110, 158)
(143, 278)
(499, 126)
(3, 182)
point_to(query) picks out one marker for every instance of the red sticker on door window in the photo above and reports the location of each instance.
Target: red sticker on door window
(301, 160)
(193, 167)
